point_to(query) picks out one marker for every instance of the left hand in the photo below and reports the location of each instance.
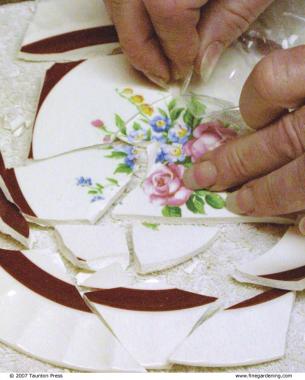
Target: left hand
(270, 162)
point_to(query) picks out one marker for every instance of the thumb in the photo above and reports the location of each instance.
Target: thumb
(222, 22)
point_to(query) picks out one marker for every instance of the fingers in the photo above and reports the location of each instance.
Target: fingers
(138, 39)
(278, 193)
(175, 23)
(222, 22)
(250, 156)
(276, 84)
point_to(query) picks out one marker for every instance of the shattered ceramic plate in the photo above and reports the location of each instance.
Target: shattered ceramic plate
(77, 187)
(44, 316)
(93, 247)
(112, 276)
(157, 319)
(251, 332)
(64, 30)
(87, 103)
(163, 198)
(281, 267)
(159, 247)
(12, 222)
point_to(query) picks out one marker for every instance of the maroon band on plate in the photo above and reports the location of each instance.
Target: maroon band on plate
(260, 298)
(296, 274)
(41, 282)
(73, 40)
(148, 300)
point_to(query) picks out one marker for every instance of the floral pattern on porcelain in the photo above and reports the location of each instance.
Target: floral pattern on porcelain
(184, 134)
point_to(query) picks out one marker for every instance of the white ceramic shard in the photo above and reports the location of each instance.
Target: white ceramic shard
(159, 247)
(150, 323)
(136, 205)
(93, 247)
(12, 222)
(79, 186)
(251, 332)
(62, 30)
(112, 276)
(87, 103)
(44, 316)
(282, 267)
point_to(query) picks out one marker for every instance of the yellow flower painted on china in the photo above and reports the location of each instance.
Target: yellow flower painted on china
(146, 109)
(176, 150)
(137, 99)
(127, 91)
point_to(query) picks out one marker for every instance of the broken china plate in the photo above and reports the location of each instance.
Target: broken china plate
(12, 222)
(79, 186)
(87, 103)
(44, 316)
(248, 333)
(158, 319)
(62, 30)
(281, 267)
(158, 247)
(93, 247)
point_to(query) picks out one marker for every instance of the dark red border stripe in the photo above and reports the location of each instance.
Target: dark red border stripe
(148, 300)
(11, 183)
(41, 282)
(52, 77)
(73, 40)
(288, 275)
(260, 298)
(11, 215)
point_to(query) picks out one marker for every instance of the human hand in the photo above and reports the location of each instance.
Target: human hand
(270, 162)
(164, 39)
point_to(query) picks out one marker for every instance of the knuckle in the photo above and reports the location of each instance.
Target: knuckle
(291, 135)
(300, 172)
(271, 197)
(236, 164)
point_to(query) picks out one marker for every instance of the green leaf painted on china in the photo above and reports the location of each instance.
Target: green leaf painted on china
(120, 123)
(152, 226)
(123, 168)
(188, 118)
(148, 135)
(117, 155)
(93, 192)
(162, 112)
(215, 201)
(172, 104)
(136, 126)
(196, 107)
(202, 193)
(175, 114)
(171, 212)
(113, 181)
(195, 204)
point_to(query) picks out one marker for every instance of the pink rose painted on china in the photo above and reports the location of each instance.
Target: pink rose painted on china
(165, 186)
(207, 136)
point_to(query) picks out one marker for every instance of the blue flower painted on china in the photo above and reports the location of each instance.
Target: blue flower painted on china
(160, 123)
(171, 153)
(131, 154)
(83, 181)
(137, 136)
(179, 134)
(97, 198)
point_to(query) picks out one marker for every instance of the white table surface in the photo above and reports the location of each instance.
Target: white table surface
(209, 272)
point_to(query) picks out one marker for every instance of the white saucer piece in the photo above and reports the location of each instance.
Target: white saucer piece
(93, 247)
(111, 276)
(251, 332)
(12, 222)
(77, 187)
(157, 319)
(44, 316)
(282, 267)
(87, 103)
(159, 247)
(62, 30)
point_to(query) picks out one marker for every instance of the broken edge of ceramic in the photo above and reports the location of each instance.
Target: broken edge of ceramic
(283, 266)
(251, 332)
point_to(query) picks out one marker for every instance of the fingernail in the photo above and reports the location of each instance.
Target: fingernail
(302, 225)
(158, 81)
(241, 202)
(210, 59)
(200, 176)
(187, 81)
